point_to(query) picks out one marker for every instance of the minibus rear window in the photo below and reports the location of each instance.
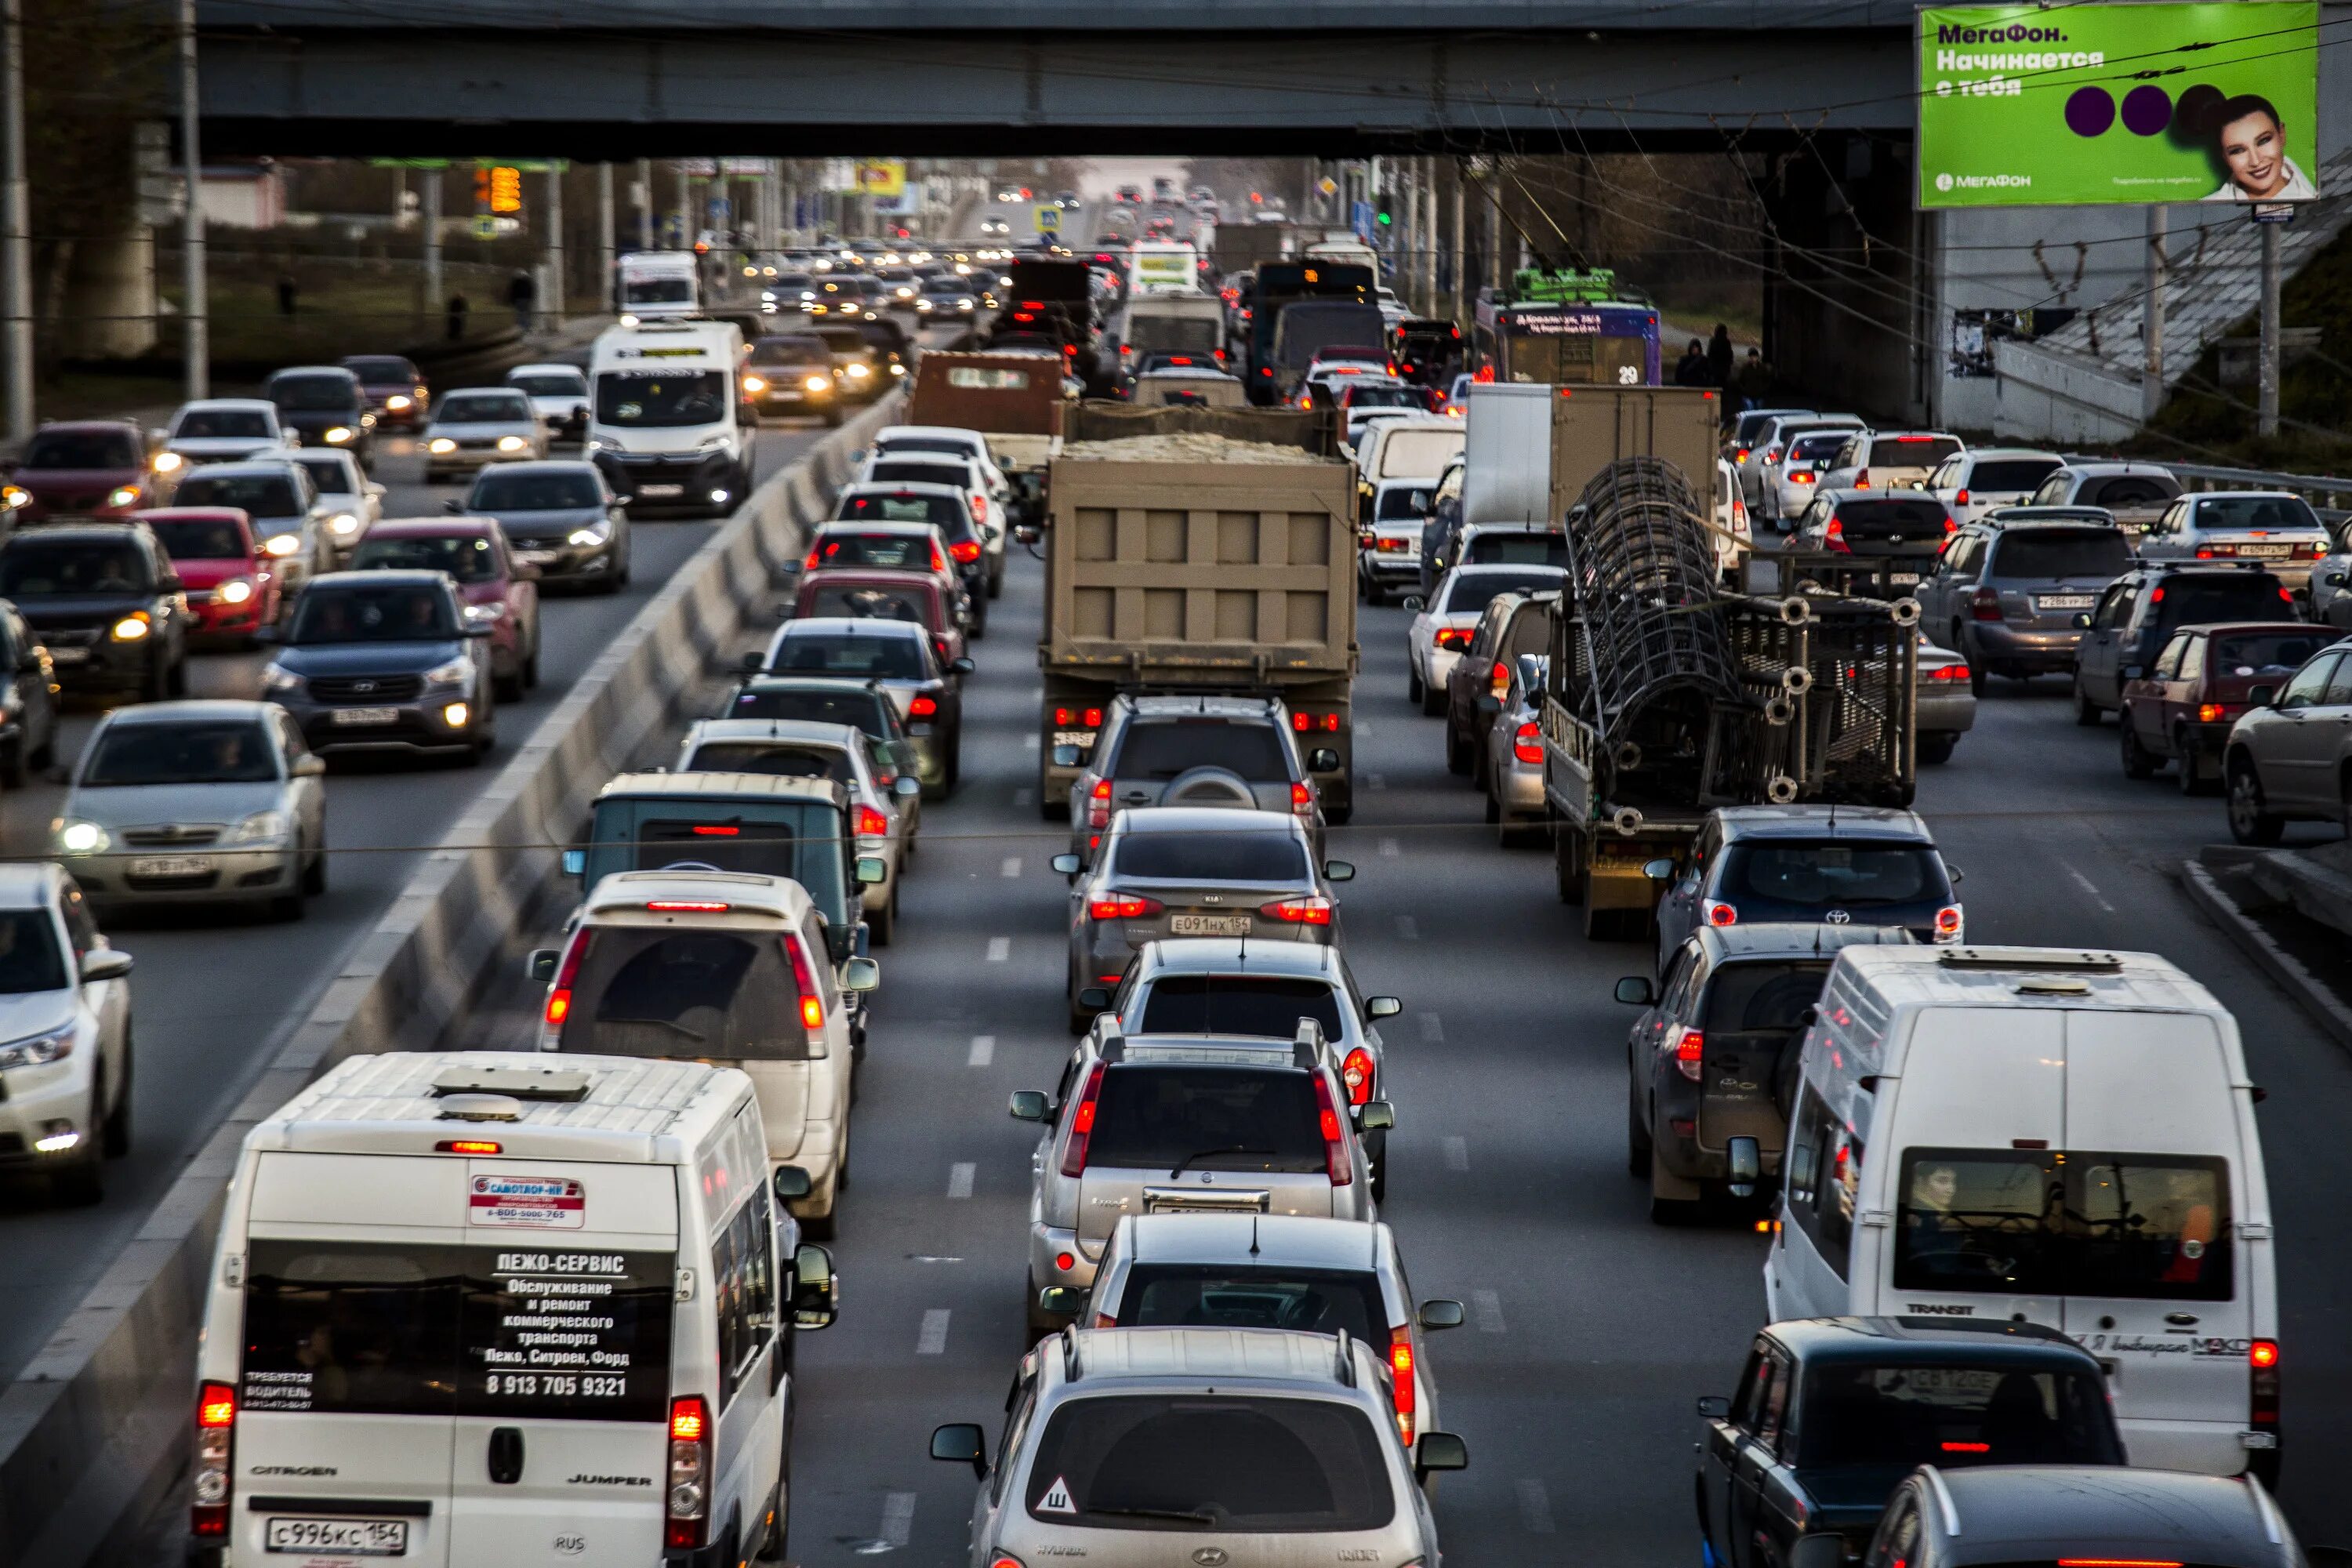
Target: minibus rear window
(728, 995)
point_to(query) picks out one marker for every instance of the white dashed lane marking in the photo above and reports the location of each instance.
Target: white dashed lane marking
(984, 1050)
(1535, 1508)
(1408, 927)
(933, 1339)
(1433, 1028)
(1388, 848)
(899, 1518)
(1457, 1154)
(960, 1176)
(999, 947)
(1011, 866)
(1484, 1306)
(1025, 795)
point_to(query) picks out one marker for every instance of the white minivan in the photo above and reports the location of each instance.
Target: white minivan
(669, 424)
(2045, 1135)
(497, 1308)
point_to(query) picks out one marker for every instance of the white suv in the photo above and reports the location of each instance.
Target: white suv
(65, 1035)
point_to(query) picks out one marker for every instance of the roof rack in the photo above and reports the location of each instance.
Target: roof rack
(2048, 960)
(1307, 1045)
(1112, 1045)
(1071, 1369)
(563, 1085)
(1347, 1368)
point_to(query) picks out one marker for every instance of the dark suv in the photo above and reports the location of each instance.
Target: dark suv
(104, 600)
(327, 405)
(2009, 589)
(2139, 610)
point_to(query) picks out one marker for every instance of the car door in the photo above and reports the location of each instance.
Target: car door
(2293, 751)
(108, 1000)
(22, 656)
(2143, 696)
(2164, 537)
(308, 795)
(1753, 1458)
(1719, 1454)
(2096, 656)
(2177, 703)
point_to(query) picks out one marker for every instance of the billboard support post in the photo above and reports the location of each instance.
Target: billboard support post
(2266, 421)
(2151, 375)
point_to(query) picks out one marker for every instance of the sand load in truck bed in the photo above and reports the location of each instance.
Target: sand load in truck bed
(1188, 446)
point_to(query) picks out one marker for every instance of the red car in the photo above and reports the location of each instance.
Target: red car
(2182, 707)
(80, 469)
(495, 589)
(867, 592)
(232, 590)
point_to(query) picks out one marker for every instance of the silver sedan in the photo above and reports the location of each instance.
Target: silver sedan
(1947, 703)
(1514, 766)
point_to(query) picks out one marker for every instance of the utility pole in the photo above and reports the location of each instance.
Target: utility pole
(195, 314)
(644, 204)
(551, 312)
(604, 232)
(2266, 421)
(1460, 281)
(16, 230)
(429, 207)
(2151, 370)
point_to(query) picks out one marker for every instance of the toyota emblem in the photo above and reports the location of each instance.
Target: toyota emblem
(1837, 917)
(1211, 1557)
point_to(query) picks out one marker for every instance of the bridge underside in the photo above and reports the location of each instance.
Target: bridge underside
(589, 94)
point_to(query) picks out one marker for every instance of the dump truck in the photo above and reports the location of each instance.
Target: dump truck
(1198, 549)
(1530, 450)
(1013, 400)
(1667, 695)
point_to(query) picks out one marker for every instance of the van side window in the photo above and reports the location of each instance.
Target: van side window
(743, 1289)
(1817, 1199)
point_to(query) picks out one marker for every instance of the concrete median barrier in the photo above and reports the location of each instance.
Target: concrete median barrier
(93, 1428)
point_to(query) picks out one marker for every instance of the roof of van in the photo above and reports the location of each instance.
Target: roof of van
(2025, 976)
(584, 1106)
(735, 892)
(692, 784)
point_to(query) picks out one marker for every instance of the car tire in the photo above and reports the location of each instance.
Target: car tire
(2188, 768)
(530, 665)
(884, 921)
(1668, 1211)
(510, 688)
(1376, 1155)
(45, 755)
(2087, 712)
(1457, 752)
(2249, 820)
(955, 767)
(1935, 747)
(1481, 768)
(116, 1139)
(314, 875)
(13, 769)
(1494, 812)
(1433, 700)
(2139, 762)
(157, 687)
(1637, 1136)
(1977, 679)
(176, 677)
(1568, 863)
(1414, 690)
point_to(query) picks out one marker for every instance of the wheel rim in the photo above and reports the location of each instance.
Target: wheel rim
(2243, 805)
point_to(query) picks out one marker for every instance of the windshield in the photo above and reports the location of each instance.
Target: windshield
(799, 839)
(885, 552)
(1415, 453)
(379, 368)
(314, 394)
(1908, 451)
(2035, 1223)
(1227, 1463)
(2194, 597)
(1910, 522)
(550, 384)
(467, 557)
(199, 424)
(1894, 1418)
(224, 751)
(255, 495)
(200, 538)
(2012, 475)
(484, 409)
(865, 601)
(2126, 490)
(2255, 512)
(33, 568)
(660, 399)
(1306, 1300)
(1815, 448)
(1516, 549)
(1400, 502)
(657, 292)
(940, 512)
(1364, 394)
(1304, 328)
(915, 471)
(506, 490)
(2055, 553)
(841, 653)
(865, 710)
(81, 449)
(2265, 653)
(1469, 594)
(1163, 748)
(1268, 1005)
(398, 611)
(29, 958)
(664, 991)
(1248, 855)
(790, 351)
(779, 758)
(1845, 875)
(328, 474)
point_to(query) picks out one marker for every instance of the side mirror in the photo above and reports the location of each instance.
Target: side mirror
(454, 507)
(1029, 1105)
(1444, 1313)
(2082, 621)
(907, 786)
(1068, 864)
(2133, 671)
(1440, 1451)
(1823, 1549)
(1028, 533)
(790, 1183)
(1339, 870)
(540, 964)
(307, 767)
(2331, 580)
(1066, 756)
(575, 862)
(1414, 601)
(961, 665)
(1323, 760)
(2262, 697)
(960, 1444)
(1635, 991)
(816, 1288)
(1095, 996)
(1659, 871)
(1743, 1164)
(872, 871)
(104, 964)
(1377, 1116)
(1066, 1300)
(1714, 1406)
(754, 663)
(1382, 1007)
(861, 975)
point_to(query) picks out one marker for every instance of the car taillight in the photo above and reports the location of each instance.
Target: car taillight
(922, 706)
(1803, 477)
(966, 551)
(1984, 605)
(2262, 1365)
(1949, 672)
(1356, 1073)
(2208, 552)
(938, 562)
(1303, 722)
(1742, 456)
(805, 980)
(1335, 1135)
(1098, 805)
(688, 1501)
(810, 563)
(1082, 1124)
(2285, 596)
(1526, 742)
(1771, 456)
(1307, 911)
(1961, 499)
(1454, 636)
(1089, 718)
(1401, 1379)
(1690, 1044)
(1948, 923)
(1302, 799)
(1861, 479)
(1498, 680)
(559, 996)
(1722, 915)
(2214, 712)
(215, 1438)
(1123, 907)
(872, 824)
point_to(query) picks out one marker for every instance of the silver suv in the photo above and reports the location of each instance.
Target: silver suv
(2009, 589)
(1190, 751)
(1140, 1447)
(1188, 1124)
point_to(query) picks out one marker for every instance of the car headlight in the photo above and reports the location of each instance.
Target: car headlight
(450, 674)
(755, 385)
(344, 524)
(858, 371)
(818, 384)
(512, 444)
(587, 537)
(440, 444)
(55, 1045)
(484, 614)
(922, 304)
(15, 496)
(260, 828)
(235, 591)
(278, 678)
(711, 444)
(598, 443)
(903, 293)
(132, 628)
(396, 403)
(963, 304)
(897, 370)
(168, 462)
(338, 434)
(77, 837)
(281, 546)
(122, 495)
(627, 320)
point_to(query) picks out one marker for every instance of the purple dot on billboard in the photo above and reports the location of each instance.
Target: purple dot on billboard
(2089, 112)
(2147, 110)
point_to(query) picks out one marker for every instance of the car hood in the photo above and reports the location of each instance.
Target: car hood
(367, 658)
(475, 432)
(221, 448)
(135, 805)
(59, 610)
(27, 1013)
(46, 483)
(210, 574)
(553, 519)
(309, 419)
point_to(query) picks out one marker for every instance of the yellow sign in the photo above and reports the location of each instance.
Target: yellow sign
(506, 189)
(886, 178)
(1049, 219)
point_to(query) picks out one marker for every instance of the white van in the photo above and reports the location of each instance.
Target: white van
(2048, 1136)
(648, 284)
(484, 1307)
(1163, 266)
(669, 423)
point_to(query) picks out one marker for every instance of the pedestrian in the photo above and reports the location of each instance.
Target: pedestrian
(286, 292)
(1692, 371)
(1718, 357)
(1755, 381)
(520, 295)
(456, 317)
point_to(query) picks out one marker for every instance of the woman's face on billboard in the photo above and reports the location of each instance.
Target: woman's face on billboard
(2255, 150)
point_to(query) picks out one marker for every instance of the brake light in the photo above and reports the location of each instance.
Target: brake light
(1961, 499)
(1356, 1073)
(938, 562)
(2285, 596)
(1861, 479)
(1968, 1447)
(804, 979)
(1527, 744)
(1302, 722)
(1089, 718)
(1771, 456)
(1722, 915)
(1454, 636)
(2262, 1365)
(1082, 1124)
(1098, 805)
(559, 997)
(1123, 907)
(1302, 798)
(2207, 552)
(815, 556)
(1335, 1135)
(1948, 923)
(1498, 680)
(978, 505)
(1803, 477)
(1307, 911)
(686, 906)
(1689, 1046)
(2214, 712)
(1743, 455)
(871, 822)
(216, 1437)
(1985, 606)
(1949, 672)
(688, 1501)
(1401, 1379)
(966, 551)
(922, 706)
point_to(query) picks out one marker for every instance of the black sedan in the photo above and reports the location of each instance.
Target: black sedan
(104, 599)
(560, 517)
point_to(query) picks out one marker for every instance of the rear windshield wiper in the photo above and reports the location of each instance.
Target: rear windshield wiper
(1182, 1516)
(695, 1035)
(1204, 1154)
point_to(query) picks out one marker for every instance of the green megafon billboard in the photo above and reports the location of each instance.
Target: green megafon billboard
(2023, 106)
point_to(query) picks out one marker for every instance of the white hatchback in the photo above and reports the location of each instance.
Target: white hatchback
(65, 1035)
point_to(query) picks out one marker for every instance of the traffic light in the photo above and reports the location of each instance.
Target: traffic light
(482, 189)
(1256, 200)
(1381, 216)
(506, 189)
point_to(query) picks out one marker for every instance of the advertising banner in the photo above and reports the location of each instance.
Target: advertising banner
(886, 178)
(2020, 105)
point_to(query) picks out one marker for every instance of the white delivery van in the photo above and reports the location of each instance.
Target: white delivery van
(669, 423)
(1163, 266)
(648, 284)
(2046, 1136)
(494, 1308)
